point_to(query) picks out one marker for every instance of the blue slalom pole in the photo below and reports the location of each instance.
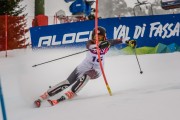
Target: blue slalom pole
(2, 102)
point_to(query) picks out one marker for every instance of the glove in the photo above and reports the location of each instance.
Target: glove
(131, 43)
(104, 44)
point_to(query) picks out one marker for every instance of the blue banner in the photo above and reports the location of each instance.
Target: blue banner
(147, 30)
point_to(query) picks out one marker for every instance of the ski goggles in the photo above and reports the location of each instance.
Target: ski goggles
(100, 38)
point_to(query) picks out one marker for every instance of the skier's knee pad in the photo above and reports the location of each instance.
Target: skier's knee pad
(93, 74)
(58, 88)
(79, 84)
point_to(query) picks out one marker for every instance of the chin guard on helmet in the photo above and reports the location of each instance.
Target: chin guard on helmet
(100, 38)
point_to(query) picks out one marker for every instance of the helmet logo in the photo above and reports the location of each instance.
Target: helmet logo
(99, 31)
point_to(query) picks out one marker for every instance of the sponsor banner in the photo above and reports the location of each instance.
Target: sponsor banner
(147, 30)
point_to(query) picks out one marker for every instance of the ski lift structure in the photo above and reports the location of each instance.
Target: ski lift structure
(140, 4)
(170, 4)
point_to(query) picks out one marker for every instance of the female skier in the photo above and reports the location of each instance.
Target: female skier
(88, 69)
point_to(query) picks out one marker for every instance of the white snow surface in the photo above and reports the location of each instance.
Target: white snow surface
(153, 95)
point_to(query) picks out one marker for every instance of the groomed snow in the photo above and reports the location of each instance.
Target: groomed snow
(153, 95)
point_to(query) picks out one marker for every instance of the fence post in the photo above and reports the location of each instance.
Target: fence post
(6, 28)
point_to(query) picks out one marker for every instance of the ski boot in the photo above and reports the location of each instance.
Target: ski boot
(53, 102)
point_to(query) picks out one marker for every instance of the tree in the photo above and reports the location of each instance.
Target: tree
(16, 23)
(114, 8)
(121, 8)
(105, 8)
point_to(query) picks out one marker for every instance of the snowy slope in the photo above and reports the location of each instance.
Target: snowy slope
(153, 95)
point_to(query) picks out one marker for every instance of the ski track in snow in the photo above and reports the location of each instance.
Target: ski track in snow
(153, 95)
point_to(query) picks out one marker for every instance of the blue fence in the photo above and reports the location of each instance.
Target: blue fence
(147, 30)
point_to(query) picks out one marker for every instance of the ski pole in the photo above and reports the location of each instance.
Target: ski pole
(59, 58)
(138, 61)
(63, 57)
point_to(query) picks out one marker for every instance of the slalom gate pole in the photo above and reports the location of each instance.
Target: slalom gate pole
(2, 102)
(98, 51)
(138, 61)
(59, 58)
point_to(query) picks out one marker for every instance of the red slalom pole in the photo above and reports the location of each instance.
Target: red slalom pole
(98, 51)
